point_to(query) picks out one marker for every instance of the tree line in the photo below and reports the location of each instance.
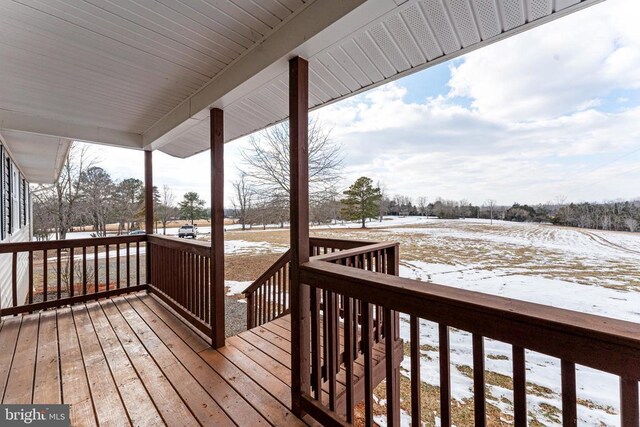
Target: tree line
(85, 195)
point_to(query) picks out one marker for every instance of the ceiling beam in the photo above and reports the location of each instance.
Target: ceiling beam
(12, 120)
(302, 26)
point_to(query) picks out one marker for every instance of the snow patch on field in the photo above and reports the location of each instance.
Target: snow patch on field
(235, 287)
(245, 247)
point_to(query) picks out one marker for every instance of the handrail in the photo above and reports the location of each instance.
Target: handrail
(47, 245)
(370, 247)
(277, 265)
(196, 247)
(602, 343)
(267, 296)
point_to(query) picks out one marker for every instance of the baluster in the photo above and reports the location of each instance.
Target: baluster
(330, 333)
(445, 376)
(367, 342)
(263, 290)
(280, 289)
(84, 270)
(349, 356)
(569, 408)
(96, 277)
(128, 267)
(137, 263)
(106, 266)
(416, 417)
(479, 411)
(117, 265)
(45, 276)
(14, 279)
(392, 370)
(519, 387)
(325, 335)
(250, 311)
(71, 272)
(629, 415)
(59, 273)
(30, 277)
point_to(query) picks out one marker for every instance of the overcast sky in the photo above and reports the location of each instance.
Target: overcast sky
(550, 113)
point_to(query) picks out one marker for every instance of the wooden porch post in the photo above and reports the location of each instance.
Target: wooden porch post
(148, 208)
(300, 320)
(217, 228)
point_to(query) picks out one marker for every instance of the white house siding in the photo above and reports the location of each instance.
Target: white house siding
(22, 235)
(15, 226)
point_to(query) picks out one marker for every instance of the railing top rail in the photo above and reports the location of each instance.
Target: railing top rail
(71, 243)
(280, 262)
(339, 243)
(370, 247)
(602, 343)
(197, 247)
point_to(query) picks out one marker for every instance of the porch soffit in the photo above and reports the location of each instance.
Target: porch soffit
(378, 42)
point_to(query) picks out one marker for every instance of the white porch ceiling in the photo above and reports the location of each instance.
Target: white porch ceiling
(143, 73)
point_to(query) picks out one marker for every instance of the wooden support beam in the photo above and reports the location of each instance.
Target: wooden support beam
(148, 207)
(299, 203)
(217, 228)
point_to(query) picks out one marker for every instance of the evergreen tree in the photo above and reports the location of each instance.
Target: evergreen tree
(362, 200)
(192, 206)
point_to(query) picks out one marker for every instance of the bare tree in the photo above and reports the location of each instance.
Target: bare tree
(62, 198)
(242, 198)
(383, 203)
(631, 223)
(422, 205)
(166, 209)
(491, 204)
(268, 163)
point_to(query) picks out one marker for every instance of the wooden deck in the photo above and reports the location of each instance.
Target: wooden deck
(130, 361)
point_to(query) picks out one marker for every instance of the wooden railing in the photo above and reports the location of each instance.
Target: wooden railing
(268, 296)
(601, 343)
(61, 272)
(181, 277)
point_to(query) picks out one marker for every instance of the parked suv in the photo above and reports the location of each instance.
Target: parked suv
(188, 230)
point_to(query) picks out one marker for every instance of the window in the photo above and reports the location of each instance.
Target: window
(3, 225)
(8, 205)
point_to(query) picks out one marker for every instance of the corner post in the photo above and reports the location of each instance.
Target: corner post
(217, 228)
(299, 203)
(148, 209)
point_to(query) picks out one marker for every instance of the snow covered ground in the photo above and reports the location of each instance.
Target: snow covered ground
(590, 271)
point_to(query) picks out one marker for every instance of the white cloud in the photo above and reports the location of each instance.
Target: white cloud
(556, 68)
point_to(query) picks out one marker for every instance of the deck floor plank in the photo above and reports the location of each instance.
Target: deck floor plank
(47, 381)
(75, 387)
(168, 402)
(203, 407)
(260, 399)
(8, 340)
(20, 382)
(106, 398)
(137, 401)
(233, 403)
